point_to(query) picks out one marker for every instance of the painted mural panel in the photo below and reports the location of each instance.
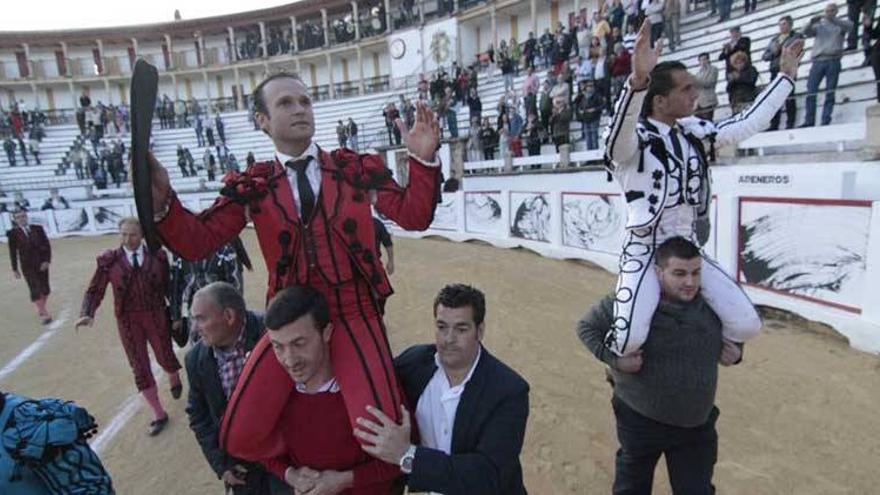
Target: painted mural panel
(107, 217)
(482, 213)
(593, 221)
(813, 249)
(446, 214)
(71, 220)
(530, 216)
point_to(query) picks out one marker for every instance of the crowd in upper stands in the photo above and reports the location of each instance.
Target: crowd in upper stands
(588, 62)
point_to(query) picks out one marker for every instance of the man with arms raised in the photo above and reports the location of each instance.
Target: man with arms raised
(655, 149)
(312, 215)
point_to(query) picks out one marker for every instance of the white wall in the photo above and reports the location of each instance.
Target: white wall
(813, 191)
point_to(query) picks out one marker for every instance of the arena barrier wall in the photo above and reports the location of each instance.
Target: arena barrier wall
(800, 237)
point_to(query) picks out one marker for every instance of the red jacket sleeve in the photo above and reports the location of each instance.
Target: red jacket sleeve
(194, 237)
(412, 207)
(97, 287)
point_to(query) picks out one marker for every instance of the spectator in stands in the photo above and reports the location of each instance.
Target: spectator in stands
(100, 178)
(751, 5)
(547, 42)
(506, 64)
(772, 54)
(830, 32)
(250, 159)
(530, 50)
(232, 163)
(742, 82)
(503, 136)
(20, 203)
(546, 105)
(341, 134)
(200, 131)
(855, 10)
(533, 134)
(588, 105)
(724, 7)
(706, 78)
(488, 139)
(583, 68)
(221, 128)
(629, 39)
(601, 28)
(55, 201)
(475, 106)
(391, 114)
(736, 43)
(560, 121)
(448, 107)
(602, 78)
(474, 148)
(621, 66)
(515, 53)
(409, 112)
(209, 135)
(671, 18)
(210, 163)
(352, 131)
(181, 160)
(34, 145)
(515, 126)
(654, 12)
(9, 148)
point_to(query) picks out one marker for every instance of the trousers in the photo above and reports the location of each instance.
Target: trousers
(637, 295)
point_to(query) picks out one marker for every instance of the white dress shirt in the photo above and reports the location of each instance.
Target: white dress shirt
(129, 253)
(330, 387)
(436, 409)
(313, 172)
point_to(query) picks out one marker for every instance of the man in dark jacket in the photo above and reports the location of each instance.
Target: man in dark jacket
(229, 332)
(455, 382)
(666, 406)
(30, 254)
(736, 43)
(773, 54)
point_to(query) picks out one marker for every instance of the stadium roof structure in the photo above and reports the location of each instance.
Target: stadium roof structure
(181, 28)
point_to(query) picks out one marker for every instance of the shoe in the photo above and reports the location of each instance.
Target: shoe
(177, 391)
(157, 426)
(46, 320)
(806, 125)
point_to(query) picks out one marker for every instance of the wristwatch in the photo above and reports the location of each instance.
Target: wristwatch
(406, 462)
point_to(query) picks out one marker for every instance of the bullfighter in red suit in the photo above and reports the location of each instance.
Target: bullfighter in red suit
(140, 284)
(29, 248)
(311, 211)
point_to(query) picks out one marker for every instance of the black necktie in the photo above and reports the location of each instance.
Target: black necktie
(134, 260)
(306, 193)
(676, 144)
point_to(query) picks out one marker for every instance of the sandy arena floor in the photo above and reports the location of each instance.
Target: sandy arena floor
(799, 416)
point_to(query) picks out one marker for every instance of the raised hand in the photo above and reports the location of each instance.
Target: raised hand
(85, 321)
(423, 138)
(791, 57)
(644, 57)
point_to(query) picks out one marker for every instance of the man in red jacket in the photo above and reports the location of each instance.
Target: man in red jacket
(140, 283)
(311, 211)
(29, 247)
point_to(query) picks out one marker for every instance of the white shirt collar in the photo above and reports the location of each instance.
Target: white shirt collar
(311, 151)
(662, 127)
(467, 377)
(331, 386)
(139, 251)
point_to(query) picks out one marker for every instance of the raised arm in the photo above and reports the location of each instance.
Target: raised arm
(622, 142)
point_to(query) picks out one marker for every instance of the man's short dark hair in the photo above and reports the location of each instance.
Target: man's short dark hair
(295, 302)
(703, 54)
(460, 296)
(661, 83)
(788, 19)
(260, 101)
(675, 247)
(224, 295)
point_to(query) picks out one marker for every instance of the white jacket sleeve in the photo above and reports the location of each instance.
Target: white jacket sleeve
(621, 141)
(757, 117)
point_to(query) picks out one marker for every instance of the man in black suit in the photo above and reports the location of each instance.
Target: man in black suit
(471, 409)
(213, 366)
